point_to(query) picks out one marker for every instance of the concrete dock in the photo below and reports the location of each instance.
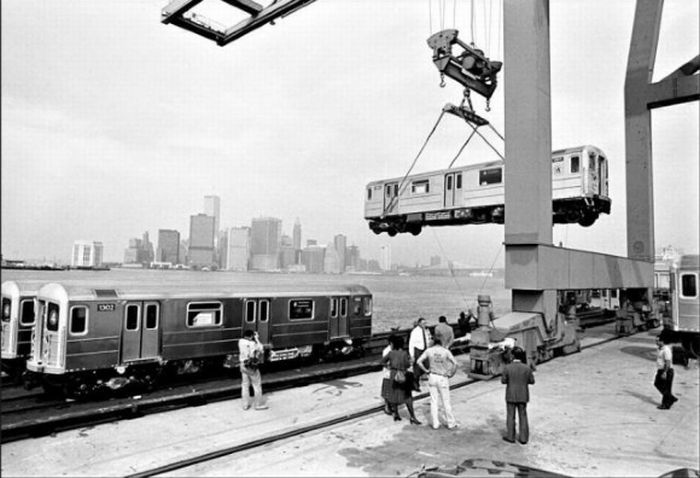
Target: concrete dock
(591, 414)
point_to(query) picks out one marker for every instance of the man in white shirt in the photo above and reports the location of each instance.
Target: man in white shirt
(664, 374)
(418, 342)
(443, 365)
(250, 353)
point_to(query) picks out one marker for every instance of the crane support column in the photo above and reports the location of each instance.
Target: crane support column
(528, 149)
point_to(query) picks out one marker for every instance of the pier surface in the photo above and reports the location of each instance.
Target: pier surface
(591, 414)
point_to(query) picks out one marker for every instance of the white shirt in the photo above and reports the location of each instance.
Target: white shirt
(419, 339)
(663, 354)
(246, 348)
(387, 367)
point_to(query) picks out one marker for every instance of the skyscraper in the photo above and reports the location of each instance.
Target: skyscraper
(385, 257)
(212, 208)
(265, 236)
(238, 249)
(340, 243)
(297, 235)
(87, 254)
(201, 248)
(168, 246)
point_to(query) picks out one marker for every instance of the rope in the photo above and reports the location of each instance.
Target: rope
(461, 149)
(449, 267)
(491, 268)
(487, 141)
(430, 16)
(415, 160)
(472, 21)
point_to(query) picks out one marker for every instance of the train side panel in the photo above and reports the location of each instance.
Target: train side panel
(299, 321)
(92, 336)
(199, 328)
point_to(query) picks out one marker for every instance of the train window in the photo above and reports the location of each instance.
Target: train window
(458, 178)
(334, 307)
(6, 304)
(343, 307)
(574, 164)
(264, 310)
(78, 320)
(203, 314)
(556, 164)
(369, 194)
(420, 187)
(151, 316)
(132, 317)
(448, 186)
(591, 162)
(52, 317)
(357, 306)
(689, 285)
(490, 176)
(250, 311)
(367, 305)
(301, 309)
(26, 316)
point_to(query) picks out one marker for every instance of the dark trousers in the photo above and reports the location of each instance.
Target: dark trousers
(417, 371)
(524, 430)
(664, 386)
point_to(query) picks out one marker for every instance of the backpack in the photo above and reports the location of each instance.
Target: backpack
(254, 361)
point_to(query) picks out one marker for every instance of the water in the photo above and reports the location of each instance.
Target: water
(398, 300)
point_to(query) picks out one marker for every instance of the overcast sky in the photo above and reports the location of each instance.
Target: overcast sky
(114, 124)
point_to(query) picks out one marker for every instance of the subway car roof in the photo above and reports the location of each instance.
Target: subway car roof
(21, 287)
(205, 290)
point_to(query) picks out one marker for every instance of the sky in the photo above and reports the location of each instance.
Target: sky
(114, 123)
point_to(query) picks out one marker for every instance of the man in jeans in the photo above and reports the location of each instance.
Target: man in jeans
(250, 352)
(664, 374)
(442, 366)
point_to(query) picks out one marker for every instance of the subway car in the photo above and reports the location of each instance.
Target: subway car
(474, 194)
(17, 323)
(682, 324)
(89, 338)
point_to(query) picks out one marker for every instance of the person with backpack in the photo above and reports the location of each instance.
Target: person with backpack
(250, 355)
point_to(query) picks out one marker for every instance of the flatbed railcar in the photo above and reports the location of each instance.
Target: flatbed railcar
(474, 194)
(89, 338)
(682, 323)
(17, 323)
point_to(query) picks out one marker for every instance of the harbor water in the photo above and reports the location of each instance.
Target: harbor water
(398, 299)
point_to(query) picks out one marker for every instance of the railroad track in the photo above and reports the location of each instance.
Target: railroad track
(181, 464)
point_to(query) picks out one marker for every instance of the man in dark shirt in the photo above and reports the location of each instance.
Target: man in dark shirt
(517, 376)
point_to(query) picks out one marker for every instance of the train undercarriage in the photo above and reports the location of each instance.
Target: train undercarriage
(584, 212)
(143, 376)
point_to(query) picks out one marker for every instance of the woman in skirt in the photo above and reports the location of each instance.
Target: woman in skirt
(399, 361)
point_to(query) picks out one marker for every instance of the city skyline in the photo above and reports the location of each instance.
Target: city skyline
(107, 134)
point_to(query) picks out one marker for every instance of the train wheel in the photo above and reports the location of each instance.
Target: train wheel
(692, 346)
(415, 229)
(588, 218)
(391, 231)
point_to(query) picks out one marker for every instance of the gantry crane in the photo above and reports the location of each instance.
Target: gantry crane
(536, 270)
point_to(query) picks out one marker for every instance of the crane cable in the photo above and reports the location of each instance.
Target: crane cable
(403, 183)
(449, 267)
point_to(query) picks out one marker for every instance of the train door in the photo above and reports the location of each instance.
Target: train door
(391, 192)
(338, 317)
(453, 187)
(140, 331)
(257, 318)
(591, 175)
(603, 176)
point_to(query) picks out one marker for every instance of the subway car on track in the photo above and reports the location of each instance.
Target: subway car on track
(89, 338)
(17, 323)
(474, 194)
(682, 324)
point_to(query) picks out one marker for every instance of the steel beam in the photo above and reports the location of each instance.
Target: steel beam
(541, 267)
